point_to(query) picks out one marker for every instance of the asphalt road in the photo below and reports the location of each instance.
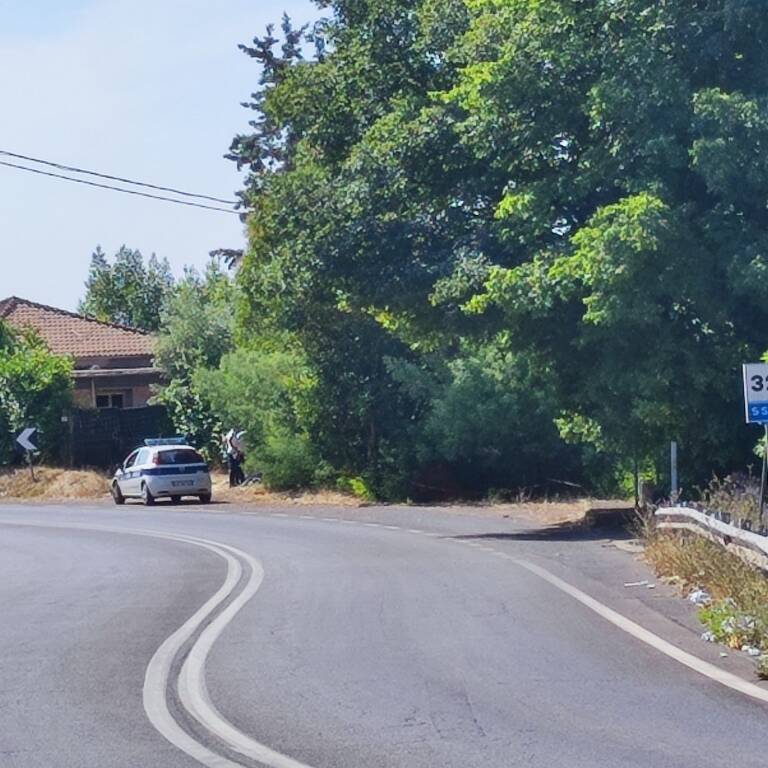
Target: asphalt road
(403, 639)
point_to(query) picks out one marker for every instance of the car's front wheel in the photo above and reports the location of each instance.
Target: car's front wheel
(117, 494)
(146, 495)
(205, 498)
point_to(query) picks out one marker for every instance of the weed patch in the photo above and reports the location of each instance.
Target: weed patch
(738, 613)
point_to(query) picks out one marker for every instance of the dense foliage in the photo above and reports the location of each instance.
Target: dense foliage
(35, 391)
(127, 291)
(196, 330)
(497, 228)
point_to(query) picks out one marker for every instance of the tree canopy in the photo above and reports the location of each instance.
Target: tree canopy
(573, 191)
(35, 390)
(127, 291)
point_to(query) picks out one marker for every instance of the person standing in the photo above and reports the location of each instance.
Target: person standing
(233, 445)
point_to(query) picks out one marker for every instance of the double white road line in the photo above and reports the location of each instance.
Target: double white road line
(189, 647)
(187, 650)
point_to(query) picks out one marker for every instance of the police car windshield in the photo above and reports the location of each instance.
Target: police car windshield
(180, 456)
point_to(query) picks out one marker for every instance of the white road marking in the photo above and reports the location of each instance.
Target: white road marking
(414, 530)
(192, 689)
(392, 527)
(721, 676)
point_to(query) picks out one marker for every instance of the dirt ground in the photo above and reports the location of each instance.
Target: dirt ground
(59, 485)
(52, 484)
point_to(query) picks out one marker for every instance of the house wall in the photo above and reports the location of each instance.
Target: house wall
(136, 389)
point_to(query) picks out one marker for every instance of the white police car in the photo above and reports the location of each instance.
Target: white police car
(165, 467)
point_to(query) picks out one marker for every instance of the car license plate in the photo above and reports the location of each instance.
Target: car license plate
(182, 483)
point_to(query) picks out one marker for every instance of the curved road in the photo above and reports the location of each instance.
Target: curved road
(396, 639)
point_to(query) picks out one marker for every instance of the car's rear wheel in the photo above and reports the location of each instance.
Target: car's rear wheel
(146, 495)
(205, 498)
(175, 499)
(117, 494)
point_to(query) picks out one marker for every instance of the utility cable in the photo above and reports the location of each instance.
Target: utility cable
(73, 169)
(118, 189)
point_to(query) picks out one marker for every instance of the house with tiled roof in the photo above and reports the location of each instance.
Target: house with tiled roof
(113, 364)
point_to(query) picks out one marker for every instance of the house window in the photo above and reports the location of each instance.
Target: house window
(110, 400)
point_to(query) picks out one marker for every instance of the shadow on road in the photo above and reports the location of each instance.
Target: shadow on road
(563, 532)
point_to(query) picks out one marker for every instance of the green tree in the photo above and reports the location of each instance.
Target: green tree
(127, 291)
(35, 390)
(196, 330)
(267, 394)
(442, 173)
(307, 272)
(636, 254)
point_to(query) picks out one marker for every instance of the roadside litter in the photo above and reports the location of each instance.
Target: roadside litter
(700, 597)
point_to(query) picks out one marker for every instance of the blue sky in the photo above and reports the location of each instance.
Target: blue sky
(147, 89)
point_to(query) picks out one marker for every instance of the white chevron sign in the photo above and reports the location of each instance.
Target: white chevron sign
(24, 439)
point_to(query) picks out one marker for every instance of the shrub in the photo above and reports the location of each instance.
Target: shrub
(287, 462)
(35, 390)
(357, 487)
(265, 394)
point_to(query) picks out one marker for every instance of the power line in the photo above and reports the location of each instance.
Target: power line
(73, 169)
(117, 189)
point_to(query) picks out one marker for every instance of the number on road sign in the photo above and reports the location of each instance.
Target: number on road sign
(756, 392)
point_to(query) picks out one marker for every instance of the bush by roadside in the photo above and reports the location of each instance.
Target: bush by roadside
(733, 596)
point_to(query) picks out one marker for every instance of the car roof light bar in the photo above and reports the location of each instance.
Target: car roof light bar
(154, 441)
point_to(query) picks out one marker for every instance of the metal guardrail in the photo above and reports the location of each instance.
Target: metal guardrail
(749, 545)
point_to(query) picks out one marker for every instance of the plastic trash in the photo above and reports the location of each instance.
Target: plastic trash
(708, 637)
(643, 583)
(700, 597)
(751, 650)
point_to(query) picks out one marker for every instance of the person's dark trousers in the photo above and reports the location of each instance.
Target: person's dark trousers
(235, 471)
(240, 475)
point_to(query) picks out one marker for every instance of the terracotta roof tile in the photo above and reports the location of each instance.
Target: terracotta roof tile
(67, 333)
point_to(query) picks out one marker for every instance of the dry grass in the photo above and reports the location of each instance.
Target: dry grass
(258, 494)
(561, 512)
(737, 497)
(63, 484)
(695, 562)
(52, 484)
(738, 613)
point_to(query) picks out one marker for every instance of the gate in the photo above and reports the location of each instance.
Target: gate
(103, 438)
